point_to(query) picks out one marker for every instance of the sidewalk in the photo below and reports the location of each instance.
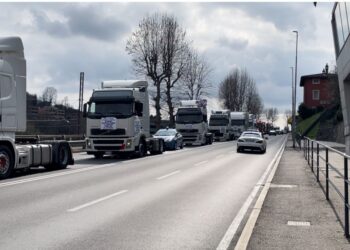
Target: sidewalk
(301, 201)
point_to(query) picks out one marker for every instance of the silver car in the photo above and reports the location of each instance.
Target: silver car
(251, 140)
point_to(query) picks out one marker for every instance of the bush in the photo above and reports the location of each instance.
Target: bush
(305, 112)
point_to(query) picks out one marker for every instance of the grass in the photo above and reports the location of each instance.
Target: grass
(305, 124)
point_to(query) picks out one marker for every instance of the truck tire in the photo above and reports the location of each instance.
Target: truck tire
(7, 162)
(142, 151)
(61, 155)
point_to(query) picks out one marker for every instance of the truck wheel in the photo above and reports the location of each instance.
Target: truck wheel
(7, 162)
(61, 156)
(99, 155)
(142, 149)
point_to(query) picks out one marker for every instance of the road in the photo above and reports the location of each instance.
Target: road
(185, 199)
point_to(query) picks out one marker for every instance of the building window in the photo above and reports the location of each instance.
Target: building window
(315, 95)
(315, 81)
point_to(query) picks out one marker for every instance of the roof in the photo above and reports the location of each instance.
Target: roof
(317, 76)
(13, 44)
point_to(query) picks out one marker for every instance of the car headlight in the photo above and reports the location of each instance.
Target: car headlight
(259, 141)
(240, 140)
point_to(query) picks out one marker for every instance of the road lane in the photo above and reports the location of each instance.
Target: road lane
(190, 209)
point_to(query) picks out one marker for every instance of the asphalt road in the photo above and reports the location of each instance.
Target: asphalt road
(183, 199)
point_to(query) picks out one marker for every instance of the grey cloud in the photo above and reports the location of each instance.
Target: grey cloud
(54, 28)
(233, 43)
(89, 21)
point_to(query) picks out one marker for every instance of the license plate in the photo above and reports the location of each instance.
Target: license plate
(108, 123)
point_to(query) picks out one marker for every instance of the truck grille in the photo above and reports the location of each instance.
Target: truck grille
(97, 131)
(108, 148)
(108, 142)
(188, 131)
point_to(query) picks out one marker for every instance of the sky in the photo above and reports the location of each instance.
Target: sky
(63, 39)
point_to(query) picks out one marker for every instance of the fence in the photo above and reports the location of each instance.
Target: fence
(317, 156)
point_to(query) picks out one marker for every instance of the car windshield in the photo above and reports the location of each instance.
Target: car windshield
(165, 132)
(110, 109)
(218, 121)
(250, 134)
(237, 122)
(189, 118)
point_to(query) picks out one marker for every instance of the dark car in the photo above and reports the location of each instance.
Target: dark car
(172, 138)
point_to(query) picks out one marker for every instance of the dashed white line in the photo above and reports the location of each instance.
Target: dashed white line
(48, 176)
(96, 201)
(168, 175)
(200, 163)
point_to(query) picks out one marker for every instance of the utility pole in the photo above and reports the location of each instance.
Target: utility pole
(292, 68)
(81, 99)
(295, 90)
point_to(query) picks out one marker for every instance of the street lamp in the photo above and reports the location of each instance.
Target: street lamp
(292, 68)
(295, 89)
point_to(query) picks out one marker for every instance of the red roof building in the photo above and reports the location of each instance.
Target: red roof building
(320, 90)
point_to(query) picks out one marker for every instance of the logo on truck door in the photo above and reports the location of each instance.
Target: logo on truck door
(108, 123)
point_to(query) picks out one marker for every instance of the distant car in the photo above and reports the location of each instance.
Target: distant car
(272, 132)
(251, 140)
(172, 138)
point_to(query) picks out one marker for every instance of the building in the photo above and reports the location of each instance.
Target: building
(341, 32)
(320, 90)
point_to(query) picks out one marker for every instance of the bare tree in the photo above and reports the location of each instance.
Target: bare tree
(238, 92)
(196, 79)
(49, 95)
(146, 46)
(271, 114)
(174, 61)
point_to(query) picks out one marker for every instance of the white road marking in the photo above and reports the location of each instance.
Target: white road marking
(200, 163)
(168, 175)
(231, 231)
(49, 176)
(299, 223)
(96, 201)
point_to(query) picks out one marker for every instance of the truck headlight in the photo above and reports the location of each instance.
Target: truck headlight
(128, 143)
(88, 143)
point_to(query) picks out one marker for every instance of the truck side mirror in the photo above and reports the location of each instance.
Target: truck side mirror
(139, 108)
(85, 109)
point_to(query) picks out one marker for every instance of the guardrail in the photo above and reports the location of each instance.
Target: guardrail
(312, 149)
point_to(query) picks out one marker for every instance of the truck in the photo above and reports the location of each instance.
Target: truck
(118, 120)
(17, 154)
(220, 125)
(239, 123)
(192, 122)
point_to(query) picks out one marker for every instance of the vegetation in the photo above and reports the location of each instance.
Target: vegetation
(303, 125)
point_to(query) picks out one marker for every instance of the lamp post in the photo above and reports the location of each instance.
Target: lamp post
(292, 68)
(295, 89)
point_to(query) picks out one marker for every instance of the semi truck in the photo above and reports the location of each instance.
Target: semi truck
(220, 125)
(118, 121)
(192, 122)
(15, 154)
(239, 123)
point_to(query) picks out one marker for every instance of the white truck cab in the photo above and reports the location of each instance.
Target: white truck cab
(220, 125)
(192, 122)
(117, 120)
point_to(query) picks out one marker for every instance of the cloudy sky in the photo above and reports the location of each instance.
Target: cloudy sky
(63, 39)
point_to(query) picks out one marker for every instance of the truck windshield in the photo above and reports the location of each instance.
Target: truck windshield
(188, 118)
(103, 109)
(237, 122)
(218, 121)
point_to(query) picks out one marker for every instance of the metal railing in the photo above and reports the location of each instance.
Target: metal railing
(312, 149)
